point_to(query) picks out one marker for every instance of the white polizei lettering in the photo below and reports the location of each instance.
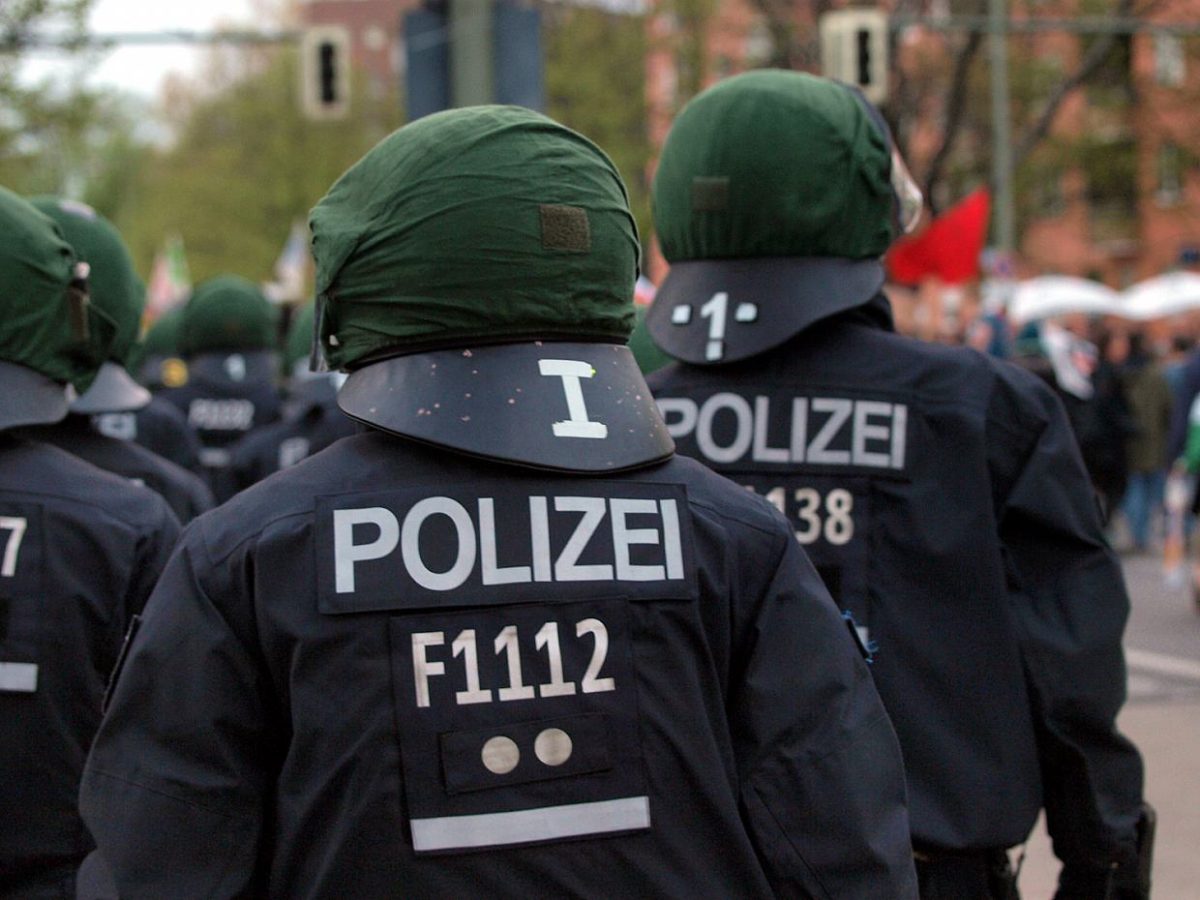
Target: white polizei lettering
(899, 432)
(565, 567)
(742, 437)
(410, 544)
(625, 537)
(671, 541)
(221, 415)
(493, 574)
(818, 450)
(687, 410)
(424, 667)
(346, 553)
(864, 431)
(464, 646)
(571, 371)
(762, 419)
(799, 428)
(539, 538)
(506, 642)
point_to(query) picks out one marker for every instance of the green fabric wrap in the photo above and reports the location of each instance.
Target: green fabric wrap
(224, 315)
(647, 353)
(481, 225)
(46, 326)
(298, 346)
(113, 284)
(774, 163)
(160, 339)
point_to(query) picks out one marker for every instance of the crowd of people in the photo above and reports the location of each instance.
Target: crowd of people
(1131, 389)
(470, 598)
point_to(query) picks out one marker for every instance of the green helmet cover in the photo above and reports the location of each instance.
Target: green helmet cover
(774, 164)
(481, 225)
(162, 337)
(46, 323)
(649, 357)
(114, 285)
(227, 314)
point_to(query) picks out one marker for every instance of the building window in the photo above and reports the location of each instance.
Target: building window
(1169, 64)
(1170, 175)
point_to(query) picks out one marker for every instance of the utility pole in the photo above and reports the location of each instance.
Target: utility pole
(1002, 167)
(471, 59)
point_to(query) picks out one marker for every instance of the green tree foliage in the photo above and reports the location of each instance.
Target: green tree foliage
(595, 84)
(245, 163)
(43, 128)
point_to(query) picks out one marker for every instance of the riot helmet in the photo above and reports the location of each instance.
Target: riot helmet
(115, 290)
(474, 274)
(53, 339)
(776, 195)
(228, 331)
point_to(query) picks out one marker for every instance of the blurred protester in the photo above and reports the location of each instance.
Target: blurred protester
(311, 417)
(1107, 424)
(1150, 405)
(227, 337)
(118, 293)
(80, 550)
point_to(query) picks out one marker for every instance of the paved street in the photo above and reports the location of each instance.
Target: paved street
(1163, 716)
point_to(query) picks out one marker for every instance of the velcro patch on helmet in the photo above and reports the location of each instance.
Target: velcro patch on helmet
(710, 194)
(565, 228)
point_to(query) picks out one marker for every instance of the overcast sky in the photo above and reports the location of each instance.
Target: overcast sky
(142, 69)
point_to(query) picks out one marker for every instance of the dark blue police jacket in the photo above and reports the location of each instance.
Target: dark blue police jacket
(942, 497)
(226, 397)
(312, 421)
(159, 427)
(185, 492)
(394, 671)
(80, 550)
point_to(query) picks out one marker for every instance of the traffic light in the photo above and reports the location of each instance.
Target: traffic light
(854, 49)
(325, 72)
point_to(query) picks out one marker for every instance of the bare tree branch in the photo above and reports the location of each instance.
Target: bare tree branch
(956, 105)
(1095, 57)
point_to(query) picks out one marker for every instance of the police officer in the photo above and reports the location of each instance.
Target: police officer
(79, 552)
(116, 291)
(939, 493)
(311, 419)
(503, 643)
(158, 426)
(227, 335)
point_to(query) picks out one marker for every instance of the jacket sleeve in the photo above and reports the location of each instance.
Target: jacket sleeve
(1070, 607)
(821, 778)
(174, 786)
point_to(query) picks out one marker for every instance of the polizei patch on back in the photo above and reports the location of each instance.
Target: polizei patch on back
(825, 431)
(559, 542)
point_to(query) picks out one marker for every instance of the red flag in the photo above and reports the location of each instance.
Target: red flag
(948, 249)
